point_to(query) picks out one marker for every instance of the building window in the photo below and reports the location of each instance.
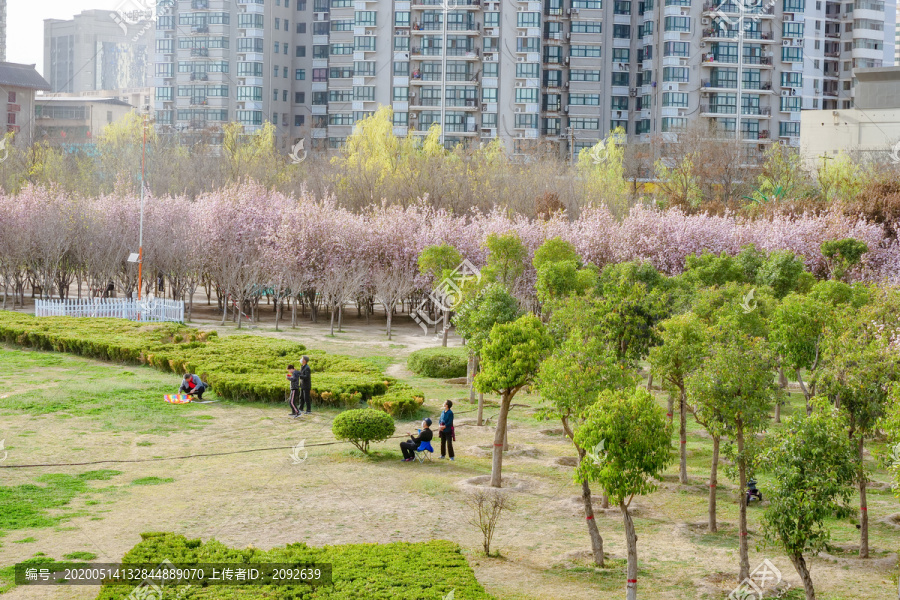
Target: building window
(300, 74)
(401, 68)
(584, 123)
(299, 97)
(678, 24)
(584, 75)
(619, 103)
(320, 74)
(675, 99)
(528, 19)
(587, 27)
(584, 99)
(676, 74)
(364, 18)
(622, 31)
(364, 93)
(301, 51)
(789, 129)
(620, 78)
(585, 51)
(790, 54)
(401, 94)
(526, 95)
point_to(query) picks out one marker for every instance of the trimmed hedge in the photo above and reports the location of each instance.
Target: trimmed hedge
(362, 426)
(237, 367)
(397, 402)
(443, 363)
(397, 571)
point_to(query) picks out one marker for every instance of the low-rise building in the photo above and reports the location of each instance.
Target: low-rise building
(19, 85)
(870, 130)
(75, 120)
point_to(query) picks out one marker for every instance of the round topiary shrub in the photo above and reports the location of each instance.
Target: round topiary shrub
(443, 363)
(362, 426)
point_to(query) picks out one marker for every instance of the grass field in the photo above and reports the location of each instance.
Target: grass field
(62, 409)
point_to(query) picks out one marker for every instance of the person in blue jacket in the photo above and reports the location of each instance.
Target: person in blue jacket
(445, 429)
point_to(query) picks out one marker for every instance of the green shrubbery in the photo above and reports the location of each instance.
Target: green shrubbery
(398, 571)
(362, 426)
(439, 362)
(398, 402)
(238, 367)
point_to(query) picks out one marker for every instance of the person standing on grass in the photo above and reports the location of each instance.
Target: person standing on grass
(305, 385)
(445, 429)
(294, 377)
(192, 385)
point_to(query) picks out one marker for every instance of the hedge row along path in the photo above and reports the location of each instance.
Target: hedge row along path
(238, 367)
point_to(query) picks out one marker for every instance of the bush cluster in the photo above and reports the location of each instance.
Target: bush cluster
(443, 363)
(237, 367)
(362, 426)
(397, 571)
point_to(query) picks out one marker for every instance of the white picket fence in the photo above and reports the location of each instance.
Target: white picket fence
(153, 310)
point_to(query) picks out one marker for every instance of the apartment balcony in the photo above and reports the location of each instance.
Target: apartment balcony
(729, 8)
(471, 28)
(199, 77)
(756, 136)
(199, 52)
(714, 34)
(458, 104)
(457, 53)
(199, 29)
(433, 4)
(419, 78)
(712, 60)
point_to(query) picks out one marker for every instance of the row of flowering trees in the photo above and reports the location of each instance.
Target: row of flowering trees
(242, 239)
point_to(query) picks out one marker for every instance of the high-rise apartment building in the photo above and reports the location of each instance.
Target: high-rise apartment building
(559, 71)
(232, 60)
(97, 50)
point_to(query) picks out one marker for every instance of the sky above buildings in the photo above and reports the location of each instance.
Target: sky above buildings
(25, 24)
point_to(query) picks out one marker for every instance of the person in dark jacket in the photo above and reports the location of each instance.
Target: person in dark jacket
(445, 430)
(294, 377)
(305, 385)
(193, 386)
(409, 447)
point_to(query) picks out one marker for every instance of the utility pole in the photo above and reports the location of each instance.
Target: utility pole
(143, 191)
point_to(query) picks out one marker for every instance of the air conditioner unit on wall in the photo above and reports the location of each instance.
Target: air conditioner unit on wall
(704, 21)
(785, 42)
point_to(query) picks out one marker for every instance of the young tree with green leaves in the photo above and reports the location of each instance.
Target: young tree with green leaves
(859, 370)
(683, 348)
(842, 255)
(630, 444)
(569, 380)
(474, 320)
(506, 259)
(510, 359)
(812, 465)
(438, 262)
(735, 389)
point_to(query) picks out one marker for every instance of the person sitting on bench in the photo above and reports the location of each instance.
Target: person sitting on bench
(409, 447)
(193, 386)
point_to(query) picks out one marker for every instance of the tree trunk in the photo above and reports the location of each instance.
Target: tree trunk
(390, 313)
(803, 571)
(682, 436)
(278, 304)
(670, 406)
(480, 409)
(341, 318)
(499, 436)
(713, 482)
(470, 376)
(506, 439)
(778, 412)
(742, 525)
(446, 328)
(332, 321)
(650, 382)
(863, 507)
(604, 500)
(293, 313)
(596, 539)
(631, 542)
(225, 312)
(782, 379)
